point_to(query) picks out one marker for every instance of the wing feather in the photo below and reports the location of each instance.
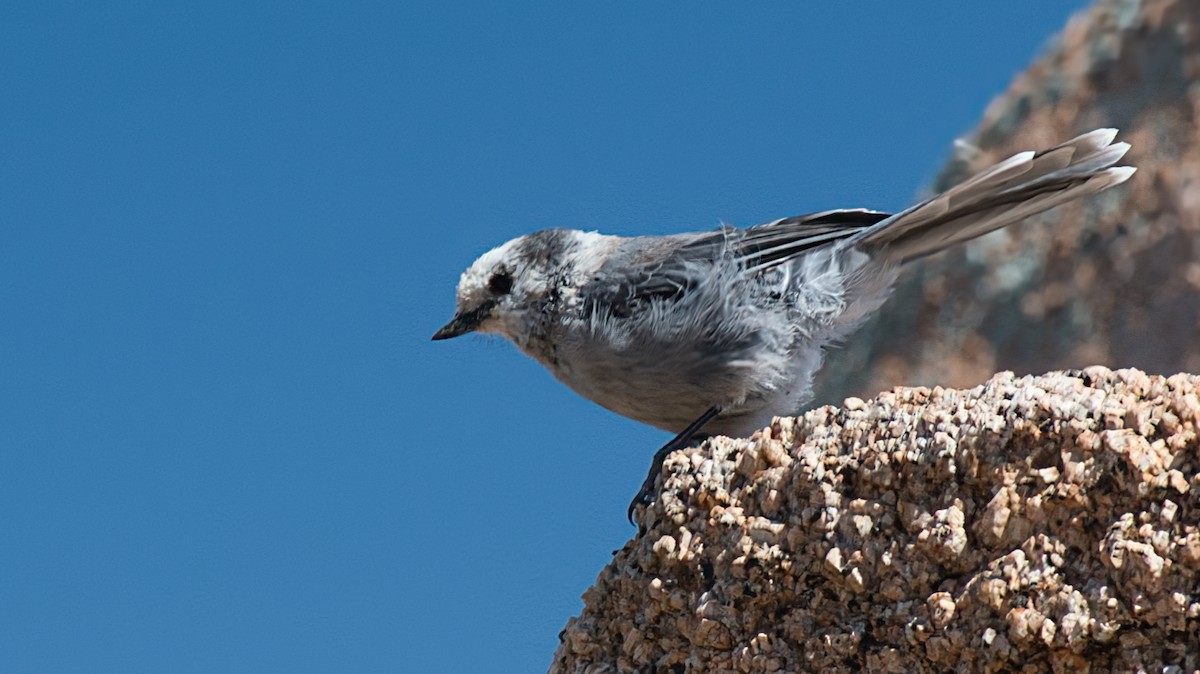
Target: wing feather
(666, 268)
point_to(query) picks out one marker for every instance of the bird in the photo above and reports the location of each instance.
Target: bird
(717, 332)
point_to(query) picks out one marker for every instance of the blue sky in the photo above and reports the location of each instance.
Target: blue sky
(227, 232)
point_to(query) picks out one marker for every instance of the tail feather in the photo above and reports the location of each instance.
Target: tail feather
(1021, 186)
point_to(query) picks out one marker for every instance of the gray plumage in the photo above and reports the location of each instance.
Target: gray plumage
(662, 329)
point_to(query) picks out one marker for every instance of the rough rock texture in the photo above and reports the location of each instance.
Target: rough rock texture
(1122, 290)
(1030, 524)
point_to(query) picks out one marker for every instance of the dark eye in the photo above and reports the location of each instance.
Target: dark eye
(500, 283)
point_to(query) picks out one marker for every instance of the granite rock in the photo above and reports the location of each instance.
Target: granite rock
(1033, 524)
(1111, 280)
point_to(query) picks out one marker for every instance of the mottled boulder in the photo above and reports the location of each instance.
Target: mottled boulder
(1034, 524)
(1112, 280)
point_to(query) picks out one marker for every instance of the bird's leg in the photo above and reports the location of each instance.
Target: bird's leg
(680, 441)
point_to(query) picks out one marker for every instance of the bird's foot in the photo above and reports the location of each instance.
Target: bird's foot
(645, 495)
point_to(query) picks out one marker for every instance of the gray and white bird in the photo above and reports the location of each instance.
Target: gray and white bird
(719, 331)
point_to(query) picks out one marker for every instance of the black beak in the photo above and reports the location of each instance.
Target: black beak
(462, 323)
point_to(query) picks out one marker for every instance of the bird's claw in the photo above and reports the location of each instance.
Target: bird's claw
(644, 496)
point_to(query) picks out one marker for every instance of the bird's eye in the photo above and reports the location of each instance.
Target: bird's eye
(500, 283)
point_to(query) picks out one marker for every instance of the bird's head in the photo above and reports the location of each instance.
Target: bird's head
(489, 291)
(510, 288)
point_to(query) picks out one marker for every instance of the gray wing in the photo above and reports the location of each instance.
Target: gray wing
(665, 268)
(765, 246)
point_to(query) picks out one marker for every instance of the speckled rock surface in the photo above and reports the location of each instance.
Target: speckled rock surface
(1034, 524)
(1112, 280)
